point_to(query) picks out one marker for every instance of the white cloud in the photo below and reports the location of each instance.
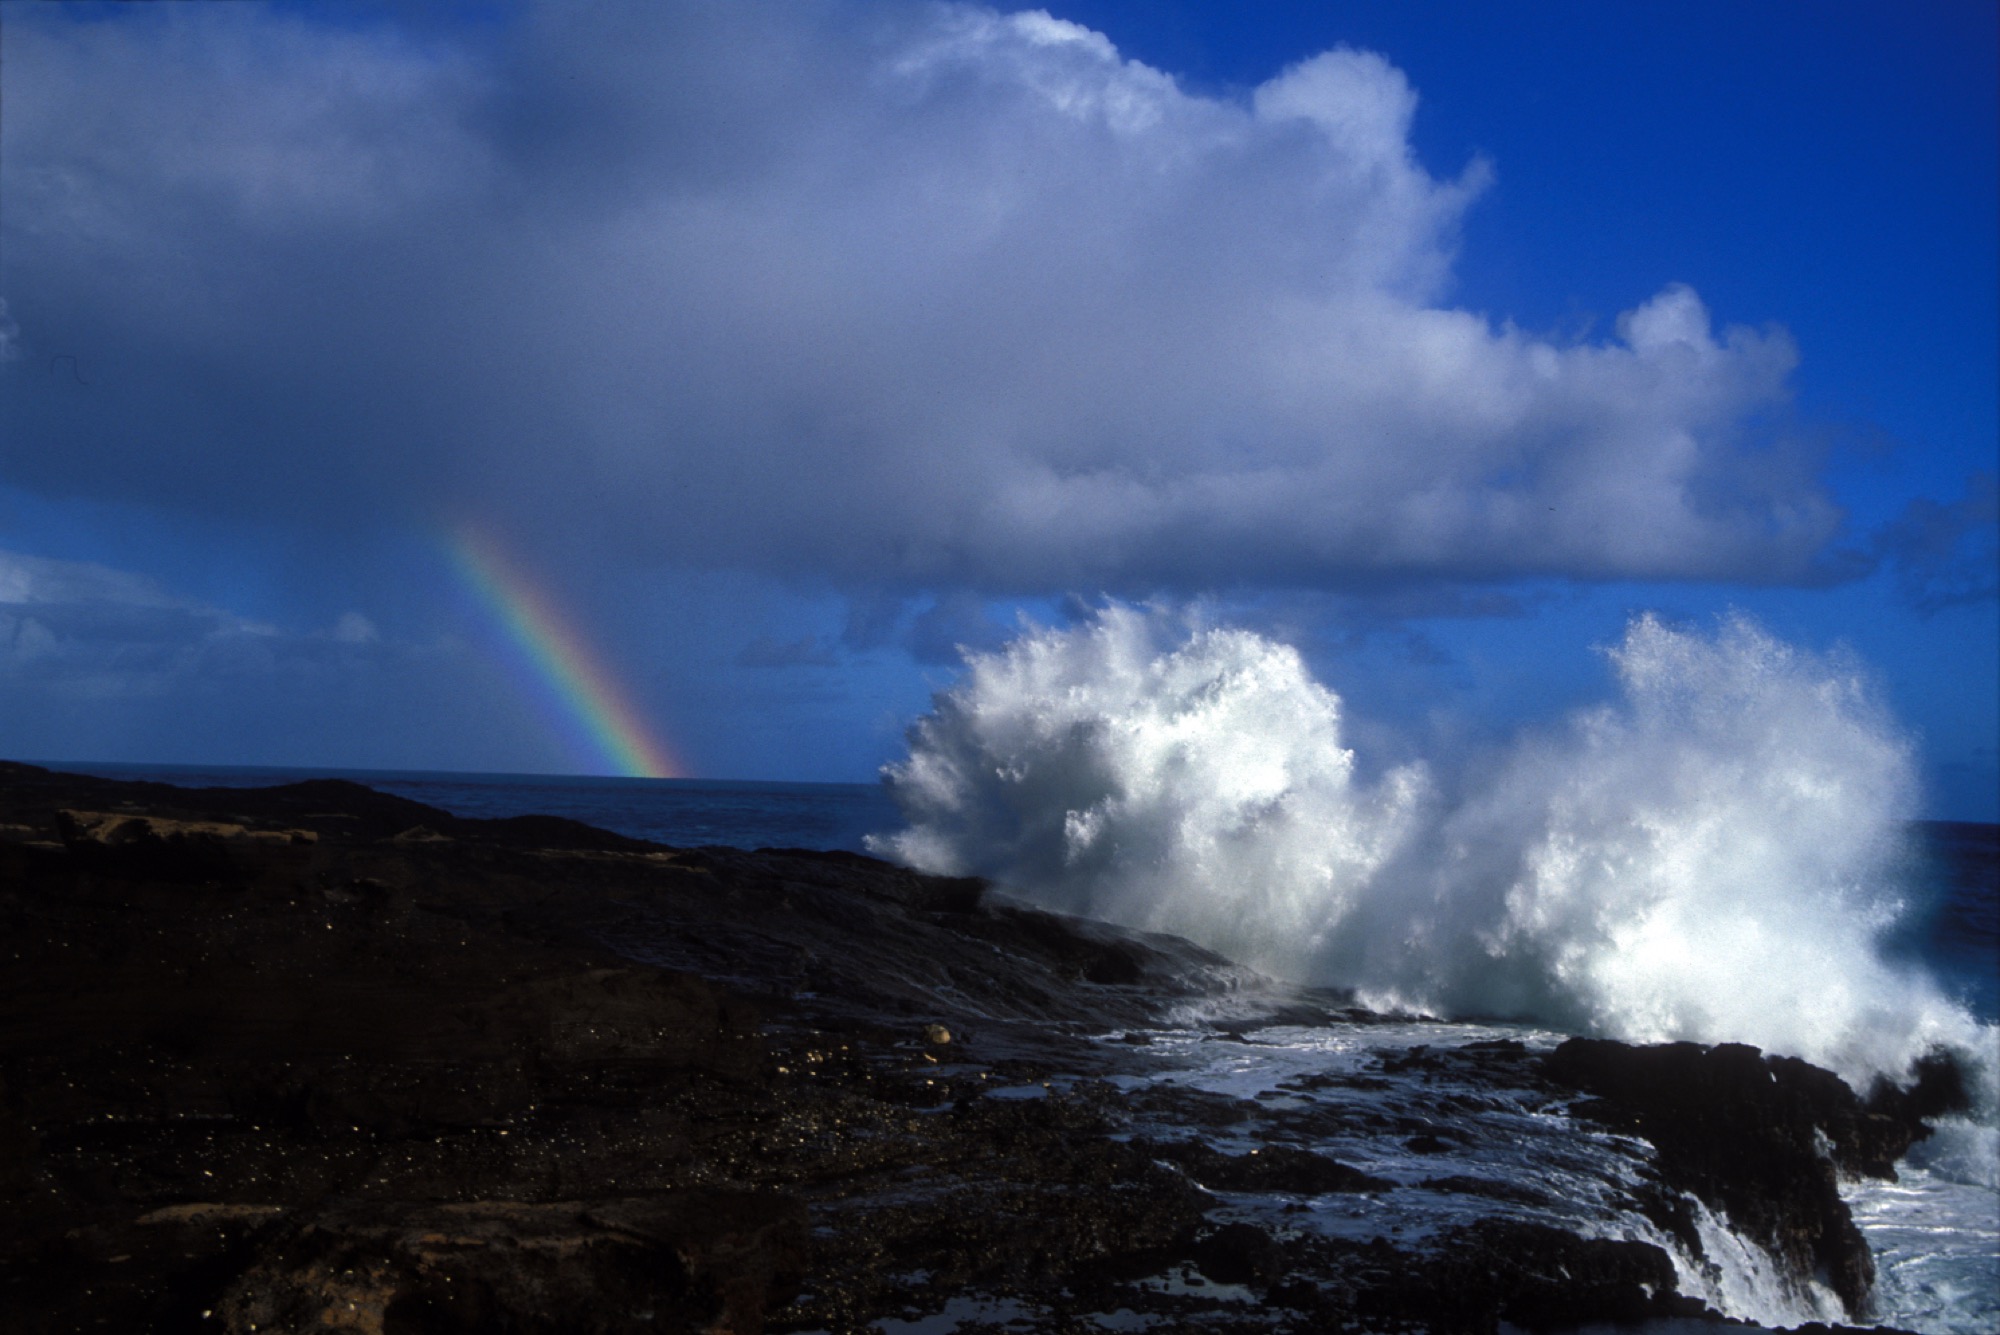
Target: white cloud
(907, 296)
(101, 664)
(354, 628)
(78, 630)
(39, 580)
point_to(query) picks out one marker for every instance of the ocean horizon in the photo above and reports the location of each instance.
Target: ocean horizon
(1951, 927)
(738, 813)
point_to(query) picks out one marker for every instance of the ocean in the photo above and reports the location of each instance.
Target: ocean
(1935, 1232)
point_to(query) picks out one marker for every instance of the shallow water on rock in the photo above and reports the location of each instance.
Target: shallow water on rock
(1430, 1107)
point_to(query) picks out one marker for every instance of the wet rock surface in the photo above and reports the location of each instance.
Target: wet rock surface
(1759, 1139)
(316, 1058)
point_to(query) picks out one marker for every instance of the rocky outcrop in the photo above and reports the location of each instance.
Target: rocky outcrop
(1759, 1139)
(1534, 1277)
(315, 1058)
(318, 1058)
(1283, 1168)
(682, 1261)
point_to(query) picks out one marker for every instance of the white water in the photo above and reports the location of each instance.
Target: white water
(1569, 1175)
(1740, 1279)
(1935, 1232)
(1711, 856)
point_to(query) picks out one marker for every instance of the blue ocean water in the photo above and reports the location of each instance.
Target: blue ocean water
(1954, 924)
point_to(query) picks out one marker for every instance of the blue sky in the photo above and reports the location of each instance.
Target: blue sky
(793, 347)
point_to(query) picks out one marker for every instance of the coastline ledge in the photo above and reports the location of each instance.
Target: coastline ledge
(318, 1058)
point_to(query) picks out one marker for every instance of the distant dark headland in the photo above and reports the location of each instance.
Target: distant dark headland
(317, 1058)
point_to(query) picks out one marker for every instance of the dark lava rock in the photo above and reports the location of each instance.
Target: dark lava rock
(1270, 1168)
(687, 1261)
(1241, 1254)
(1461, 1185)
(316, 1058)
(1534, 1277)
(1744, 1133)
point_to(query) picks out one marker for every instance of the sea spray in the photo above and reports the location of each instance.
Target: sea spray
(1711, 856)
(1198, 787)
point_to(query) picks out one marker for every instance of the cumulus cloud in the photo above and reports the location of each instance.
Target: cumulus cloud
(886, 295)
(102, 664)
(77, 631)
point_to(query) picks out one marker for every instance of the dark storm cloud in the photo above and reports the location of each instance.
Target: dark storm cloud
(894, 296)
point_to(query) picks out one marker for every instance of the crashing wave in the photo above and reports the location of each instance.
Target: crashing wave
(1715, 855)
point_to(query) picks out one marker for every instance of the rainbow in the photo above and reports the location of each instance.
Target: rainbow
(588, 702)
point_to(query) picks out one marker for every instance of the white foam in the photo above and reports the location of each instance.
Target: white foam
(1936, 1243)
(1712, 856)
(1737, 1277)
(1197, 788)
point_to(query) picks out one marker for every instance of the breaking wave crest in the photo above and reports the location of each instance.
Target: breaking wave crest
(1713, 856)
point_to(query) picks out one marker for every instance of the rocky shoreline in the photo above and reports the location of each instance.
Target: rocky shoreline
(316, 1058)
